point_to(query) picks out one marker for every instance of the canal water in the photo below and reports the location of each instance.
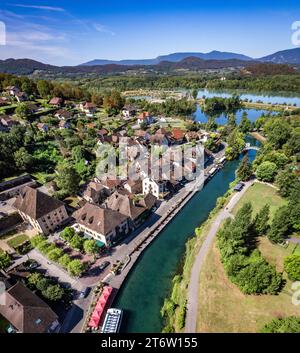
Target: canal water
(150, 281)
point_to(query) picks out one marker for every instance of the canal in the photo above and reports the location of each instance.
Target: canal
(150, 281)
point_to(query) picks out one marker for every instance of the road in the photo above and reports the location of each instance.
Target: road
(193, 289)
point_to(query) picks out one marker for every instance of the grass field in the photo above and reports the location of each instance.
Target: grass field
(259, 194)
(224, 308)
(17, 240)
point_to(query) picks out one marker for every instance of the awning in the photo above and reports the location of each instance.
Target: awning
(100, 244)
(99, 308)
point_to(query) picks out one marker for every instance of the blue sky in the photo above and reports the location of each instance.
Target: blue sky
(69, 32)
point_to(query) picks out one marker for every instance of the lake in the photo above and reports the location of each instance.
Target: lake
(289, 98)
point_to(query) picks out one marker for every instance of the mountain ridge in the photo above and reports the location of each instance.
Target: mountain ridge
(173, 57)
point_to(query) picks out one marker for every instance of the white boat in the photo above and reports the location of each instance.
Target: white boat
(112, 321)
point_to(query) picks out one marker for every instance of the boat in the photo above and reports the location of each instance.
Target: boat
(112, 321)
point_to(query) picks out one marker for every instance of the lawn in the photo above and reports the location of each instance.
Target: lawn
(259, 194)
(224, 308)
(17, 240)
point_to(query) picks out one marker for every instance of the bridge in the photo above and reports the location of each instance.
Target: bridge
(248, 147)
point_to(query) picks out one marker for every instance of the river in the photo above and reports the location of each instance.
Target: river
(150, 281)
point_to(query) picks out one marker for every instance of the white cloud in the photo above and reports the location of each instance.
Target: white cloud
(40, 7)
(103, 29)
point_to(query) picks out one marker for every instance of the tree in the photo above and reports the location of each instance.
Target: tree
(261, 221)
(53, 292)
(283, 325)
(23, 110)
(235, 146)
(287, 182)
(245, 124)
(34, 278)
(42, 284)
(259, 277)
(35, 241)
(90, 247)
(76, 242)
(294, 207)
(292, 267)
(44, 88)
(55, 254)
(245, 170)
(4, 260)
(67, 179)
(23, 159)
(68, 233)
(281, 225)
(278, 132)
(64, 260)
(266, 171)
(75, 268)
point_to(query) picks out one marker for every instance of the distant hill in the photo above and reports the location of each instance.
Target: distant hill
(191, 63)
(23, 66)
(269, 69)
(289, 56)
(175, 57)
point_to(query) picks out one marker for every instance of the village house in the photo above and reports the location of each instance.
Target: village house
(88, 108)
(62, 114)
(192, 136)
(142, 135)
(21, 97)
(102, 224)
(41, 211)
(95, 193)
(12, 90)
(160, 139)
(134, 186)
(3, 101)
(7, 121)
(64, 125)
(42, 127)
(110, 183)
(128, 111)
(56, 101)
(125, 203)
(145, 118)
(177, 135)
(25, 311)
(158, 188)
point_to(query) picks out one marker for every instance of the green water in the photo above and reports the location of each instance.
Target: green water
(150, 281)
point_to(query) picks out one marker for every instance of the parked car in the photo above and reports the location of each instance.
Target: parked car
(104, 265)
(31, 264)
(84, 293)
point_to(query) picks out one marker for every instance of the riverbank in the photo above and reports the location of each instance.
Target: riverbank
(260, 106)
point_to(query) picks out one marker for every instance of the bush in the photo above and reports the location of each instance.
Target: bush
(292, 267)
(5, 260)
(283, 325)
(266, 171)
